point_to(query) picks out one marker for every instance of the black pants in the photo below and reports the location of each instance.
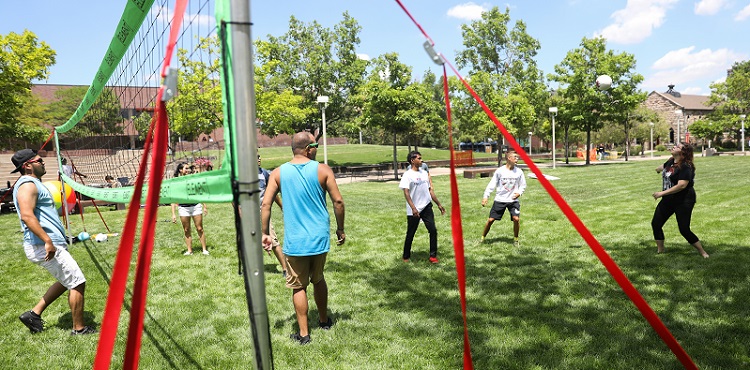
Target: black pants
(412, 223)
(683, 211)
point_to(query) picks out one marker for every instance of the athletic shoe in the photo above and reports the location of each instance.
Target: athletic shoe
(85, 331)
(433, 260)
(407, 260)
(482, 241)
(516, 244)
(205, 252)
(187, 254)
(326, 325)
(32, 321)
(300, 339)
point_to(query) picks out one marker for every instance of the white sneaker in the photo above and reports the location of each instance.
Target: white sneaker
(206, 252)
(187, 254)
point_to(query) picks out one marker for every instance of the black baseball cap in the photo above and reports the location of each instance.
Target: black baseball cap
(22, 156)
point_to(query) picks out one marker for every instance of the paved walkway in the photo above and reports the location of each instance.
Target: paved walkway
(439, 171)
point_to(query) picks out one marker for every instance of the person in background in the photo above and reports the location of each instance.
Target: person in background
(111, 182)
(188, 211)
(419, 195)
(68, 170)
(45, 243)
(677, 197)
(510, 184)
(307, 227)
(263, 176)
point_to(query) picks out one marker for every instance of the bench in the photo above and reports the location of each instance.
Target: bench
(471, 173)
(364, 171)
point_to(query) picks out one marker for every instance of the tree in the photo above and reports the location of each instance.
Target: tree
(23, 59)
(504, 73)
(392, 102)
(731, 98)
(310, 61)
(706, 129)
(590, 107)
(197, 107)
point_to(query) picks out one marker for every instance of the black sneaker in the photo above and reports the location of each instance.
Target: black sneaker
(302, 340)
(326, 325)
(32, 321)
(86, 330)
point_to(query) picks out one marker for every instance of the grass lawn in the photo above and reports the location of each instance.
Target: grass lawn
(549, 304)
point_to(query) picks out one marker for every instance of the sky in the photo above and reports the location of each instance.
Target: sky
(686, 43)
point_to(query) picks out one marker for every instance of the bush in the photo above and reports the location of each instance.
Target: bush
(729, 144)
(661, 148)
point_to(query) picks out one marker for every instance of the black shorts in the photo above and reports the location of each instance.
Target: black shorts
(498, 209)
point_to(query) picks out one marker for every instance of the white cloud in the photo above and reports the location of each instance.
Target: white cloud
(743, 14)
(468, 11)
(636, 21)
(361, 56)
(709, 7)
(687, 66)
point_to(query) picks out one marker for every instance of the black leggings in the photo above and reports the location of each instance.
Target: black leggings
(412, 223)
(683, 211)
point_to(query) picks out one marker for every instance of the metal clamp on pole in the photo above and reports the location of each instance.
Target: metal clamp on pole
(436, 58)
(171, 85)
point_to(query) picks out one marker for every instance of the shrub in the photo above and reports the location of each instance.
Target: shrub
(729, 144)
(661, 148)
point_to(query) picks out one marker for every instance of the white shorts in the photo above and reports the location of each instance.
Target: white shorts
(63, 267)
(195, 210)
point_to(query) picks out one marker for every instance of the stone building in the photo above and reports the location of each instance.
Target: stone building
(679, 110)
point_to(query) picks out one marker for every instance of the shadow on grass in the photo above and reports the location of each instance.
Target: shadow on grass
(105, 269)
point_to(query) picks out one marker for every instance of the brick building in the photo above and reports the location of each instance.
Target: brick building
(679, 110)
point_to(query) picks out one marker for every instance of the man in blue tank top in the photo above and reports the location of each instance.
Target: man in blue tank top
(45, 244)
(303, 183)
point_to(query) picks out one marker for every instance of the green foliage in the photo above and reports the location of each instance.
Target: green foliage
(732, 96)
(103, 118)
(23, 59)
(197, 107)
(308, 61)
(706, 129)
(142, 123)
(661, 148)
(504, 73)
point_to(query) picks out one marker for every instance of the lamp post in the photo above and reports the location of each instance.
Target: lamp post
(324, 100)
(652, 138)
(742, 130)
(530, 133)
(553, 112)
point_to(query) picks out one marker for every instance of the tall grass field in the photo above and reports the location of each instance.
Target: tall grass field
(548, 304)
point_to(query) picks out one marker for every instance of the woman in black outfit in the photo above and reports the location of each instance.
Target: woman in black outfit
(677, 197)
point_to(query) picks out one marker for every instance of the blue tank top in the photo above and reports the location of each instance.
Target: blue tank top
(307, 228)
(44, 211)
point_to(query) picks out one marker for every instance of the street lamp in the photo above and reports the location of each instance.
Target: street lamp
(324, 100)
(553, 112)
(530, 142)
(652, 138)
(742, 130)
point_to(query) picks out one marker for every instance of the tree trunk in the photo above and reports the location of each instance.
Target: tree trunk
(567, 147)
(588, 146)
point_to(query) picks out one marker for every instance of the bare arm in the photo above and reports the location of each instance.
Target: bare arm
(272, 190)
(277, 199)
(414, 211)
(435, 199)
(329, 184)
(27, 196)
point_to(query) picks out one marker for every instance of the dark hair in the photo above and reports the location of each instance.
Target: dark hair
(413, 154)
(686, 152)
(108, 177)
(178, 170)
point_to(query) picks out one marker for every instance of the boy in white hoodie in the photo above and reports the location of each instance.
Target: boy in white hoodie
(510, 184)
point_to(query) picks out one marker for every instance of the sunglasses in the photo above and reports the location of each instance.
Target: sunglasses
(40, 161)
(312, 145)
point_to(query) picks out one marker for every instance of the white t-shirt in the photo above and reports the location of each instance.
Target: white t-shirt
(507, 183)
(418, 183)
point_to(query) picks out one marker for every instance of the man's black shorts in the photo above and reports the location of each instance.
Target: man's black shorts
(498, 209)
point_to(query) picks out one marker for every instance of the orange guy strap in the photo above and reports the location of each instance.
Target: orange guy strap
(594, 244)
(159, 130)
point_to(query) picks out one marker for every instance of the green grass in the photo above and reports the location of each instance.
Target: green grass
(549, 304)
